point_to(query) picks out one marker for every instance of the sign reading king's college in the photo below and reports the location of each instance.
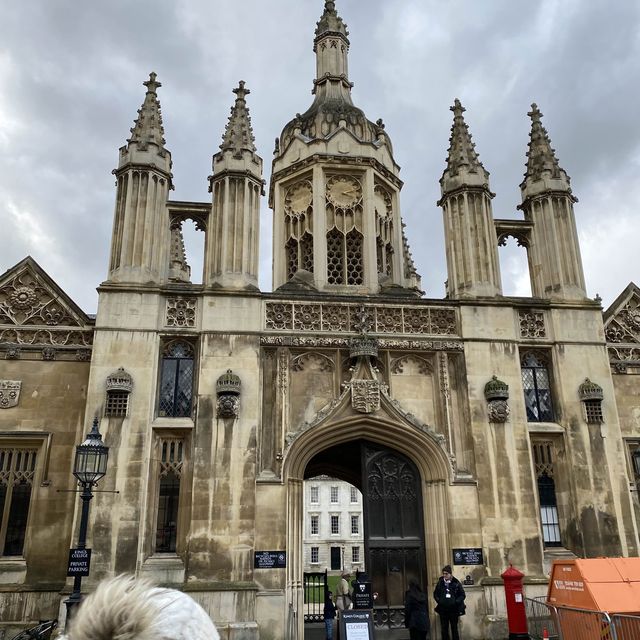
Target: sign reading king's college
(79, 562)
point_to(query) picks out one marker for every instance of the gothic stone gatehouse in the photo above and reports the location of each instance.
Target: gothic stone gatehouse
(479, 421)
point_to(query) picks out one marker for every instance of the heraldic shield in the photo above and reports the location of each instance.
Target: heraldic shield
(9, 393)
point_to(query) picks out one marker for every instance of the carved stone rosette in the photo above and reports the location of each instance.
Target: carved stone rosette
(181, 312)
(532, 324)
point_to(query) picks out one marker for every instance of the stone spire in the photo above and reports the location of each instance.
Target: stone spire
(238, 135)
(555, 265)
(541, 157)
(463, 162)
(470, 235)
(141, 234)
(148, 128)
(231, 251)
(331, 22)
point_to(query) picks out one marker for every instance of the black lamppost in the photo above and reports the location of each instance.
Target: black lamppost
(89, 468)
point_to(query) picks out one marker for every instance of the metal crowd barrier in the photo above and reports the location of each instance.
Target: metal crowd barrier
(626, 627)
(582, 624)
(541, 617)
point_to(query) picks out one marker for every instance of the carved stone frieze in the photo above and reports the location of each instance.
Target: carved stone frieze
(311, 359)
(532, 324)
(9, 393)
(181, 312)
(398, 344)
(624, 327)
(48, 353)
(54, 337)
(398, 365)
(13, 353)
(287, 316)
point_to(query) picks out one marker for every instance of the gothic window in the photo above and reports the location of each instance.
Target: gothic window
(335, 525)
(315, 554)
(537, 390)
(17, 470)
(314, 528)
(298, 224)
(384, 230)
(176, 381)
(345, 231)
(170, 471)
(543, 457)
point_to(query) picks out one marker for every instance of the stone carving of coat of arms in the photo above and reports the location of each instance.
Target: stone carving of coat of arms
(9, 393)
(365, 395)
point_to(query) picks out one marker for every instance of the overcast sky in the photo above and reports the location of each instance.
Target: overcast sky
(70, 85)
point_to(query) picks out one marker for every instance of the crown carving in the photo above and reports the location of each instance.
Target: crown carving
(120, 380)
(228, 383)
(363, 346)
(590, 391)
(496, 389)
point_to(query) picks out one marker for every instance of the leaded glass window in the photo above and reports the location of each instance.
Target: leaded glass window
(17, 470)
(171, 462)
(537, 390)
(176, 381)
(543, 457)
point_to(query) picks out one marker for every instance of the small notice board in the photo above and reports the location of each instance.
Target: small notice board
(467, 556)
(270, 560)
(79, 562)
(356, 624)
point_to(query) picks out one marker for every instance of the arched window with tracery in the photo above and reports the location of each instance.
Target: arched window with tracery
(298, 227)
(176, 380)
(345, 239)
(384, 230)
(537, 387)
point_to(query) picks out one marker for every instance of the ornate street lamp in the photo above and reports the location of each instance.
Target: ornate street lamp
(89, 468)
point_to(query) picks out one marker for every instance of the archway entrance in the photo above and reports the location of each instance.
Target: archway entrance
(394, 545)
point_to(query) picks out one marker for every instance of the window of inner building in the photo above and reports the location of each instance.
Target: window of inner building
(314, 528)
(537, 390)
(171, 463)
(315, 555)
(334, 495)
(355, 554)
(17, 470)
(117, 404)
(355, 524)
(354, 494)
(314, 494)
(176, 381)
(335, 525)
(543, 456)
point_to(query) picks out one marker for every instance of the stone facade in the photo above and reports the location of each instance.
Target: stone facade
(217, 400)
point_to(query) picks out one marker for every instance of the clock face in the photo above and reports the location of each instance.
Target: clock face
(343, 191)
(299, 197)
(382, 202)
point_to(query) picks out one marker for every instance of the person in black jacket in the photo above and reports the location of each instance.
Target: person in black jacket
(416, 617)
(329, 615)
(449, 596)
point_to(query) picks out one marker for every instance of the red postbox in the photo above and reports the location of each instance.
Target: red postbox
(514, 594)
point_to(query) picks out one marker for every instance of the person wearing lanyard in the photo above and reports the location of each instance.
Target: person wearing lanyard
(449, 596)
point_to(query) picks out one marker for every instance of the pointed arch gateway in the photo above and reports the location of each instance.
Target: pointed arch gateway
(402, 471)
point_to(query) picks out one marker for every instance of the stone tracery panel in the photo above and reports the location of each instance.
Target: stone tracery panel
(283, 316)
(532, 324)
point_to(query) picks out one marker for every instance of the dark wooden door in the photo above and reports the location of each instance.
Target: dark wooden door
(394, 531)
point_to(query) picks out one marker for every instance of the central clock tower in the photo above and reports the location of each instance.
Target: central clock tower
(335, 189)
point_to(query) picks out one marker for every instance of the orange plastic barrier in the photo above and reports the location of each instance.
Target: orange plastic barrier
(596, 584)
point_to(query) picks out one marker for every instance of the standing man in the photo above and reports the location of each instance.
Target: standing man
(343, 592)
(329, 615)
(449, 596)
